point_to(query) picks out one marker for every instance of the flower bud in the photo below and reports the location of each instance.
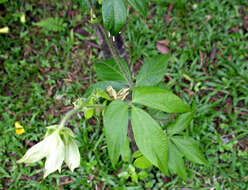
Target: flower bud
(111, 92)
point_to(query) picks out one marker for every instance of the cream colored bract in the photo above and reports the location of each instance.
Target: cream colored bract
(57, 146)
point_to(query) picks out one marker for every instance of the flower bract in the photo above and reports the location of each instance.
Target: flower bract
(57, 146)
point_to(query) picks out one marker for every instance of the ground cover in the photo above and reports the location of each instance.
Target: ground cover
(43, 72)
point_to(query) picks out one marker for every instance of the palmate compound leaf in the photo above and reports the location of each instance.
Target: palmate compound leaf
(140, 6)
(181, 123)
(176, 162)
(115, 123)
(114, 15)
(108, 70)
(189, 148)
(160, 99)
(150, 139)
(152, 71)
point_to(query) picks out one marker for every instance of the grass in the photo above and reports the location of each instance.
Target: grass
(43, 72)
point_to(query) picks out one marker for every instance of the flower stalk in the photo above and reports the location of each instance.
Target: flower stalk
(67, 116)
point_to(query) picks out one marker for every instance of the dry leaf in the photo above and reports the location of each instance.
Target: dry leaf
(162, 48)
(164, 42)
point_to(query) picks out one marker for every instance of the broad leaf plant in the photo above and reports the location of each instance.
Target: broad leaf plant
(122, 102)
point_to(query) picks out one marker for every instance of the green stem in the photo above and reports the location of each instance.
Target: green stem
(68, 116)
(114, 52)
(95, 106)
(116, 57)
(70, 113)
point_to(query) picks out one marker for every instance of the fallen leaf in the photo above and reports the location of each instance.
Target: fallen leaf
(219, 52)
(234, 29)
(164, 42)
(190, 92)
(162, 48)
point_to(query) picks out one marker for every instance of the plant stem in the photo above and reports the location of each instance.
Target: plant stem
(95, 106)
(114, 52)
(68, 116)
(116, 57)
(70, 113)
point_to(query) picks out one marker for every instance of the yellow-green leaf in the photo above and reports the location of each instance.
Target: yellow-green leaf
(189, 148)
(115, 123)
(160, 99)
(176, 162)
(150, 139)
(181, 123)
(142, 163)
(152, 71)
(114, 15)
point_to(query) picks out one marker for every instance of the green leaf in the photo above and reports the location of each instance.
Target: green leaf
(115, 123)
(54, 24)
(3, 1)
(140, 6)
(137, 154)
(102, 94)
(189, 148)
(150, 139)
(114, 15)
(160, 99)
(88, 113)
(126, 151)
(152, 71)
(142, 163)
(103, 85)
(85, 5)
(181, 123)
(109, 70)
(134, 177)
(176, 162)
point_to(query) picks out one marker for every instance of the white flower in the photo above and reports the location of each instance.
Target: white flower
(38, 151)
(72, 155)
(56, 154)
(57, 146)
